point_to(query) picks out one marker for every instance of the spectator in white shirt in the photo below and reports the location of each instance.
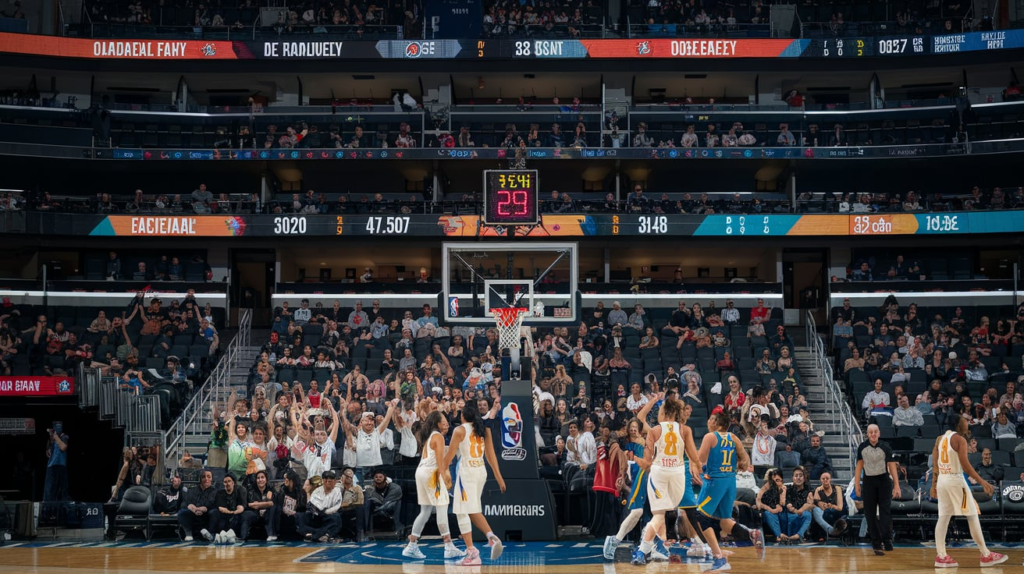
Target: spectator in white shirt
(636, 399)
(302, 315)
(581, 447)
(905, 415)
(730, 315)
(322, 520)
(875, 399)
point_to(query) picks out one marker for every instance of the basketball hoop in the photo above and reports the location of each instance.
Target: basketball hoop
(509, 320)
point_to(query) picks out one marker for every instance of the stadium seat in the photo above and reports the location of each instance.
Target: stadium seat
(133, 512)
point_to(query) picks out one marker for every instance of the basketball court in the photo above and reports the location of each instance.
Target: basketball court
(385, 557)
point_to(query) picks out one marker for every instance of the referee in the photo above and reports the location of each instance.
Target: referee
(879, 484)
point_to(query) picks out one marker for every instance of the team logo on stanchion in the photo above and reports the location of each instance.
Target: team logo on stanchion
(1014, 493)
(512, 433)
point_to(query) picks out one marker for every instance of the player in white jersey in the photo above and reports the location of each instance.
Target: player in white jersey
(665, 456)
(950, 488)
(472, 442)
(432, 484)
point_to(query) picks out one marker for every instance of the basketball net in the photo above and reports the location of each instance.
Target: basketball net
(509, 321)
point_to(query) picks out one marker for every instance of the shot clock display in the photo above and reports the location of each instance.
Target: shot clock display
(510, 197)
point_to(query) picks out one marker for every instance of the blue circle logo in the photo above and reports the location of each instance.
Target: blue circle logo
(748, 153)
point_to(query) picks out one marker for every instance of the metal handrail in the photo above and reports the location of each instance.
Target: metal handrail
(191, 415)
(838, 409)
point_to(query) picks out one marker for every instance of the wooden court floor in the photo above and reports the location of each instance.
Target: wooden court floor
(302, 559)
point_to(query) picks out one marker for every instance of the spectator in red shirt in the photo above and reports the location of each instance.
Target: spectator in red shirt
(760, 313)
(734, 399)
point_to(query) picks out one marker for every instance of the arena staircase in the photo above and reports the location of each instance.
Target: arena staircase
(191, 431)
(827, 403)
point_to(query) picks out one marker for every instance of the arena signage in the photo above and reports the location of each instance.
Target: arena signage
(658, 153)
(117, 49)
(302, 49)
(30, 386)
(660, 44)
(549, 225)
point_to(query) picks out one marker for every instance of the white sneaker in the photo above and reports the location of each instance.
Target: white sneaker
(206, 534)
(695, 551)
(452, 551)
(230, 538)
(271, 538)
(219, 539)
(188, 539)
(412, 550)
(472, 558)
(610, 544)
(657, 556)
(496, 548)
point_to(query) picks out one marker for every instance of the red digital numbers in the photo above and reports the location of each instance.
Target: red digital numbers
(512, 203)
(510, 197)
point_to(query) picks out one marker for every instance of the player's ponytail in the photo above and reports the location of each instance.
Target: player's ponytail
(471, 415)
(720, 420)
(429, 426)
(672, 410)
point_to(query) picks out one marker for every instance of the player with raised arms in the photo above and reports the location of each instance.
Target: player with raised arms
(664, 457)
(472, 442)
(950, 488)
(721, 455)
(432, 484)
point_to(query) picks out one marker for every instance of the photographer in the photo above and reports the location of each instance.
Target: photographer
(56, 485)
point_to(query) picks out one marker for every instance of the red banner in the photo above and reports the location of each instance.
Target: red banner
(36, 386)
(117, 49)
(686, 48)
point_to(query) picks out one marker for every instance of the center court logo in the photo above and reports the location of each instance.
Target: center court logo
(512, 433)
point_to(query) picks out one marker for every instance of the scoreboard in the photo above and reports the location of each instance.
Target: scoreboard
(511, 197)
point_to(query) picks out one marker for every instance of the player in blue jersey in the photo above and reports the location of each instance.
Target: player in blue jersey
(632, 451)
(721, 455)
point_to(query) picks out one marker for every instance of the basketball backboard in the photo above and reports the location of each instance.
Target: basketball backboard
(480, 276)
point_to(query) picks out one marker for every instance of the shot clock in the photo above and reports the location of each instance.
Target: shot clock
(510, 197)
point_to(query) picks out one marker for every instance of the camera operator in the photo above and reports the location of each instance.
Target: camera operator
(56, 485)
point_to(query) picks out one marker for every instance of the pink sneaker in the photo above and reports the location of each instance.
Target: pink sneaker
(945, 562)
(472, 558)
(992, 559)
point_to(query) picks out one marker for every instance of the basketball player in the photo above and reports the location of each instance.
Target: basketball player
(633, 450)
(688, 505)
(721, 455)
(472, 442)
(432, 485)
(664, 456)
(949, 463)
